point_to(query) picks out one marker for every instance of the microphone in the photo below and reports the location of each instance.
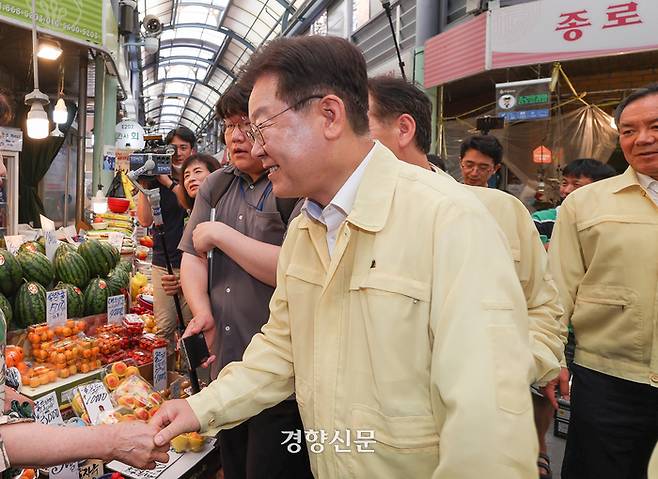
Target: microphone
(148, 165)
(154, 200)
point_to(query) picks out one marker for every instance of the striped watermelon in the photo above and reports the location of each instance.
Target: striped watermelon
(71, 268)
(33, 247)
(36, 267)
(118, 280)
(95, 296)
(11, 273)
(5, 307)
(125, 265)
(98, 259)
(30, 307)
(74, 300)
(64, 248)
(116, 255)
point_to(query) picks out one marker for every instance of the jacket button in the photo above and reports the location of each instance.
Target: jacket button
(654, 378)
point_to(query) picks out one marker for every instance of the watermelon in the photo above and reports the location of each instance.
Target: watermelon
(71, 268)
(42, 241)
(118, 280)
(32, 247)
(36, 267)
(11, 273)
(116, 256)
(5, 307)
(64, 248)
(74, 300)
(30, 305)
(98, 259)
(95, 296)
(125, 265)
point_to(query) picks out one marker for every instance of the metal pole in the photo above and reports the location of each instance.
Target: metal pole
(82, 133)
(387, 8)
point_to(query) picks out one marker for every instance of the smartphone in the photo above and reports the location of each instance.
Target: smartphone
(195, 350)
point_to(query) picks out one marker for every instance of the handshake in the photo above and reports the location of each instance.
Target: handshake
(141, 444)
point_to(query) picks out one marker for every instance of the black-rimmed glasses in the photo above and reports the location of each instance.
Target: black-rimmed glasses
(255, 133)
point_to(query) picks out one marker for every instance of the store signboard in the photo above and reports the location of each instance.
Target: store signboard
(524, 100)
(129, 134)
(74, 19)
(553, 30)
(11, 139)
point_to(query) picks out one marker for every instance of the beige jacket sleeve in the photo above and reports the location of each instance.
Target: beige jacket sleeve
(547, 334)
(565, 259)
(262, 379)
(481, 361)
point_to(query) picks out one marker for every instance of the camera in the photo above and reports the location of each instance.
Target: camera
(152, 26)
(155, 150)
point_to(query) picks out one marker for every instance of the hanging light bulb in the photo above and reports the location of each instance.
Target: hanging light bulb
(38, 126)
(60, 113)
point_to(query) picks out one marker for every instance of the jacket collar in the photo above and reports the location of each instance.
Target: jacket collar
(375, 194)
(627, 179)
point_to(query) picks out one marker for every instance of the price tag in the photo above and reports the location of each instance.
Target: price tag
(116, 239)
(51, 244)
(91, 469)
(160, 369)
(47, 224)
(69, 233)
(96, 399)
(116, 309)
(46, 410)
(65, 471)
(14, 242)
(56, 307)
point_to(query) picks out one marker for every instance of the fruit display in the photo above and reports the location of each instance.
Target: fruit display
(74, 300)
(71, 268)
(30, 305)
(118, 281)
(137, 283)
(13, 356)
(149, 342)
(39, 375)
(140, 358)
(191, 441)
(98, 257)
(134, 325)
(36, 267)
(11, 273)
(95, 296)
(149, 323)
(133, 392)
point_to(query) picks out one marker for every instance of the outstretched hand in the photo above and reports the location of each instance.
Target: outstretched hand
(133, 443)
(173, 418)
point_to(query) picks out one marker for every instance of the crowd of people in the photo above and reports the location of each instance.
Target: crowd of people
(357, 288)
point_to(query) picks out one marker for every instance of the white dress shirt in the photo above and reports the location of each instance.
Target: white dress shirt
(333, 215)
(650, 185)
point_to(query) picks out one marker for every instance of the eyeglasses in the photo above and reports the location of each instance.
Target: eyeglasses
(243, 125)
(255, 133)
(482, 168)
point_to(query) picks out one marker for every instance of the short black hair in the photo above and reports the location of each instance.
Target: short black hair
(486, 144)
(590, 168)
(234, 101)
(651, 89)
(437, 161)
(396, 96)
(184, 133)
(208, 160)
(314, 65)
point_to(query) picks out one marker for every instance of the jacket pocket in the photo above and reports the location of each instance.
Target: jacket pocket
(511, 362)
(405, 434)
(607, 322)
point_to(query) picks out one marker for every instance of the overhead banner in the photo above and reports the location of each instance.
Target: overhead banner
(550, 30)
(524, 100)
(75, 19)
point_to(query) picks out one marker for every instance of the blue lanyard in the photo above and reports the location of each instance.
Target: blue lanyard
(263, 197)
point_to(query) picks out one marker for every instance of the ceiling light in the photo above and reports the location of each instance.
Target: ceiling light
(49, 50)
(60, 113)
(38, 126)
(56, 131)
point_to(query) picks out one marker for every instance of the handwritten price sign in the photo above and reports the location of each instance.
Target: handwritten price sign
(116, 309)
(96, 399)
(46, 410)
(65, 471)
(160, 369)
(116, 239)
(14, 242)
(51, 244)
(56, 307)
